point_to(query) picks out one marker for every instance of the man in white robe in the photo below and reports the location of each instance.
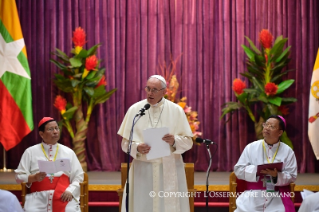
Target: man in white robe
(268, 150)
(166, 174)
(310, 203)
(57, 192)
(9, 202)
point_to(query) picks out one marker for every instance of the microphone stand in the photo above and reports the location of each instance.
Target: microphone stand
(128, 159)
(207, 175)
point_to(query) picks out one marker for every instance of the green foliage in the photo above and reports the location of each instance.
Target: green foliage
(83, 88)
(264, 67)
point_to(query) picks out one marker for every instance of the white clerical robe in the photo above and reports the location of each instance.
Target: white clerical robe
(161, 175)
(310, 203)
(9, 202)
(39, 201)
(246, 169)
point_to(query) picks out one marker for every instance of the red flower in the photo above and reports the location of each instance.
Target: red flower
(283, 109)
(91, 63)
(238, 86)
(271, 89)
(79, 37)
(265, 38)
(60, 103)
(101, 82)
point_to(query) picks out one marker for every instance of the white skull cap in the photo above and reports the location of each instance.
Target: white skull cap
(159, 77)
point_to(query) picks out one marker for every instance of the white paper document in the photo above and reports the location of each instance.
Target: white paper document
(54, 166)
(153, 138)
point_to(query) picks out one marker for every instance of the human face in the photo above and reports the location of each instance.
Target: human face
(154, 98)
(272, 131)
(51, 133)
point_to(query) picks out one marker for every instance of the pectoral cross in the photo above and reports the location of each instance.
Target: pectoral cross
(51, 178)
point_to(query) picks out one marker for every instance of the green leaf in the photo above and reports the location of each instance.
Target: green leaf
(75, 82)
(59, 65)
(277, 49)
(248, 51)
(242, 97)
(285, 139)
(283, 54)
(59, 77)
(252, 45)
(91, 75)
(279, 38)
(262, 97)
(277, 77)
(257, 84)
(75, 62)
(251, 90)
(82, 54)
(79, 75)
(260, 60)
(272, 109)
(61, 54)
(68, 105)
(284, 85)
(69, 113)
(64, 85)
(89, 91)
(230, 107)
(275, 100)
(288, 100)
(103, 98)
(92, 50)
(99, 91)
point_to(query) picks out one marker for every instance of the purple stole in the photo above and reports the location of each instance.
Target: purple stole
(286, 200)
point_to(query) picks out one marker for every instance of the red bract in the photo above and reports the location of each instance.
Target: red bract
(265, 38)
(79, 37)
(238, 86)
(101, 82)
(60, 103)
(271, 89)
(91, 63)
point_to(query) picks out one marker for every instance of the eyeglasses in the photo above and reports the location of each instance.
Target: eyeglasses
(269, 126)
(53, 128)
(154, 90)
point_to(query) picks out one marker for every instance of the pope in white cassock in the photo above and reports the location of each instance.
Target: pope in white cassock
(57, 192)
(166, 174)
(264, 193)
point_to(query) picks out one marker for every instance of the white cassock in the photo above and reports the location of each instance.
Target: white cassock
(39, 201)
(310, 203)
(246, 169)
(161, 175)
(9, 202)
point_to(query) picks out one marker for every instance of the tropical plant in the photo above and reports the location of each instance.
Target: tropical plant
(265, 72)
(85, 82)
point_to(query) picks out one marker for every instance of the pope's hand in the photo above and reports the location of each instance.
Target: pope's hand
(168, 138)
(66, 196)
(143, 148)
(40, 176)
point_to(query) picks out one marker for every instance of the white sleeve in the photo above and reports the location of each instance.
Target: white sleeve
(134, 153)
(289, 172)
(76, 177)
(23, 170)
(182, 144)
(244, 170)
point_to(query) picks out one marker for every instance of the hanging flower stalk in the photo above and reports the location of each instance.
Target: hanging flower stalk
(265, 74)
(82, 78)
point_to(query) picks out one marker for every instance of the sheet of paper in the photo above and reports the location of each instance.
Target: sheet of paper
(54, 167)
(153, 138)
(46, 166)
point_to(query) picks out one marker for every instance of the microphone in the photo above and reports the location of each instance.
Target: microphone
(141, 112)
(206, 141)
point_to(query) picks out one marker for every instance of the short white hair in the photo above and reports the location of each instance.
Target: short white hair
(160, 78)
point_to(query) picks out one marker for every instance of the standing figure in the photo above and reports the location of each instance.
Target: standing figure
(151, 180)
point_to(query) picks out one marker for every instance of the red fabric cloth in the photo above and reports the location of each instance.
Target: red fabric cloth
(59, 184)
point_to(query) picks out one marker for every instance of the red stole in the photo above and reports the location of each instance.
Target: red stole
(59, 184)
